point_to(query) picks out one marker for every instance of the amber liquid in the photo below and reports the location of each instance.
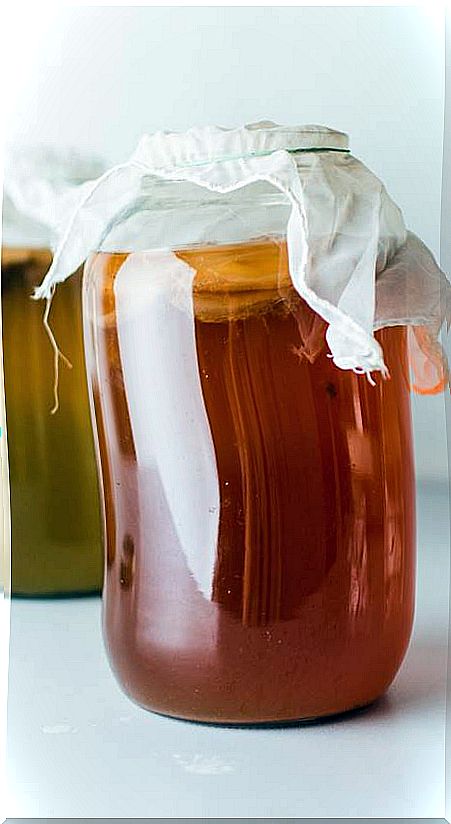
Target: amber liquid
(312, 584)
(56, 545)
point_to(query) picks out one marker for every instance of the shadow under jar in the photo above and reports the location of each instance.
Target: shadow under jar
(258, 501)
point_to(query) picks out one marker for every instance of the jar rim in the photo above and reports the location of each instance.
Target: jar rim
(166, 149)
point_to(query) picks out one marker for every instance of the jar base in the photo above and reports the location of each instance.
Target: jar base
(57, 595)
(325, 718)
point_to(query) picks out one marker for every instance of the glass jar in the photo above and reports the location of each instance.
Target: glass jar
(5, 514)
(258, 500)
(55, 516)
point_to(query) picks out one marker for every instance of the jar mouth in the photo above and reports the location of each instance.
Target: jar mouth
(12, 255)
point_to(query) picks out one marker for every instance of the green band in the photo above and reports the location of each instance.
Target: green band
(226, 159)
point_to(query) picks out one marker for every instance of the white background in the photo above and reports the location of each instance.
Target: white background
(98, 77)
(446, 257)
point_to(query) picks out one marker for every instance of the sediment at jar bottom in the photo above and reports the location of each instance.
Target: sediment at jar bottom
(55, 517)
(308, 605)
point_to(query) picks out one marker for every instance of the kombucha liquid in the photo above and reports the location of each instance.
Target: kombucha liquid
(56, 546)
(312, 586)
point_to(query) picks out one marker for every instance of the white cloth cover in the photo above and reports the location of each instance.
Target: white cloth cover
(350, 255)
(40, 191)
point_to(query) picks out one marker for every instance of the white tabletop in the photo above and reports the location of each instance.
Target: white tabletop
(79, 748)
